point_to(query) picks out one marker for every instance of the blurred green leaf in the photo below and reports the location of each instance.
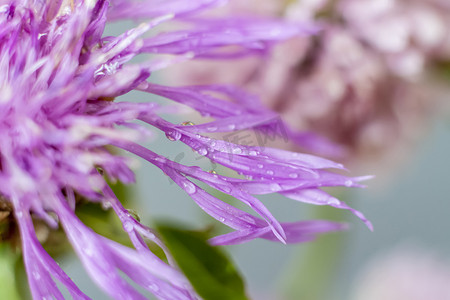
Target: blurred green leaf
(8, 260)
(210, 271)
(443, 69)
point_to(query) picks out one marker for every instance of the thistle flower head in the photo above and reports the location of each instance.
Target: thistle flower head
(59, 77)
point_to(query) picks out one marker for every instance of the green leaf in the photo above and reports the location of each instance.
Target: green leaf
(210, 271)
(8, 282)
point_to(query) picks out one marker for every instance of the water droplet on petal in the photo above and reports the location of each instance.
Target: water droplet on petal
(333, 201)
(226, 189)
(212, 128)
(275, 187)
(134, 214)
(202, 151)
(231, 126)
(293, 175)
(187, 123)
(348, 183)
(248, 219)
(236, 150)
(88, 251)
(173, 135)
(154, 287)
(260, 166)
(106, 204)
(100, 171)
(222, 219)
(269, 172)
(36, 275)
(128, 226)
(252, 153)
(189, 187)
(54, 216)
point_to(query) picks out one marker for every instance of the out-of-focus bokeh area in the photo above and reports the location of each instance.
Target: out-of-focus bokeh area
(408, 254)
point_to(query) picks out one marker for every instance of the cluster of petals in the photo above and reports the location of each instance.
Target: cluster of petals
(59, 75)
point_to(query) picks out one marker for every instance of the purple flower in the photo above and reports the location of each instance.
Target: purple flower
(58, 78)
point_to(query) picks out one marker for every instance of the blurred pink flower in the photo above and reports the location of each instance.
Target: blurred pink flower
(361, 81)
(404, 274)
(408, 33)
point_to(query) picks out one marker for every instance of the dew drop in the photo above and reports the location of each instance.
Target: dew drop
(249, 219)
(106, 205)
(275, 187)
(252, 153)
(221, 219)
(226, 189)
(348, 183)
(173, 135)
(269, 172)
(212, 128)
(100, 171)
(236, 150)
(202, 151)
(53, 216)
(333, 201)
(189, 187)
(231, 126)
(153, 287)
(150, 235)
(134, 214)
(293, 175)
(88, 251)
(36, 275)
(187, 123)
(260, 166)
(128, 226)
